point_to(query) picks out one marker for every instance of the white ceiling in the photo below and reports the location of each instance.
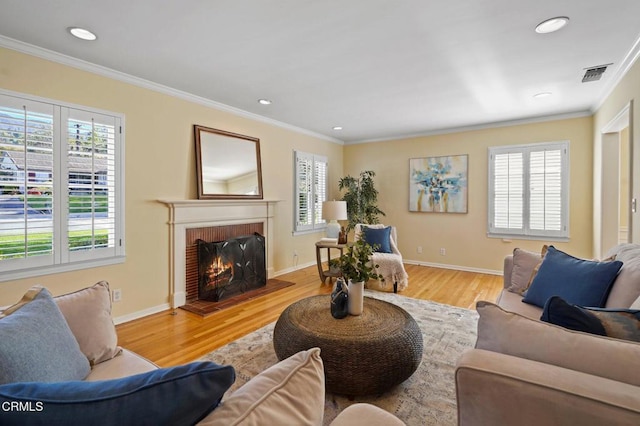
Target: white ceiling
(380, 68)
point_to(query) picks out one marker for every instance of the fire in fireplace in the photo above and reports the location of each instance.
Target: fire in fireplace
(227, 268)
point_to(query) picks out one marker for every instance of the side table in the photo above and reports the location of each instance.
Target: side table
(328, 273)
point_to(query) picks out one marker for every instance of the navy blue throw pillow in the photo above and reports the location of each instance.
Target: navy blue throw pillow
(378, 238)
(617, 323)
(578, 281)
(181, 395)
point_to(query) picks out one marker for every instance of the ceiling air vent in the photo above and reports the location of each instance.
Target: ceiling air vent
(594, 73)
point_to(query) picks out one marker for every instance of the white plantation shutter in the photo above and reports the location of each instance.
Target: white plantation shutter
(61, 201)
(508, 187)
(310, 191)
(529, 190)
(26, 204)
(545, 187)
(90, 167)
(304, 179)
(320, 191)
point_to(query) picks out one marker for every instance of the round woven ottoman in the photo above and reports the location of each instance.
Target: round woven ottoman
(362, 355)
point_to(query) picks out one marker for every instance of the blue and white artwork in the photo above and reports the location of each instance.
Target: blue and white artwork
(438, 184)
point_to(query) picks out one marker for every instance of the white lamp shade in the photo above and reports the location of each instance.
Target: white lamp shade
(334, 210)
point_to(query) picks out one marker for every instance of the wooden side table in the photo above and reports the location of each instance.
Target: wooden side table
(328, 273)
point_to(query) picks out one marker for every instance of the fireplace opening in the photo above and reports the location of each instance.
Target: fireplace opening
(231, 267)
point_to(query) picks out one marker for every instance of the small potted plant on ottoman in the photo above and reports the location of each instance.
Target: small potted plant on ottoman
(357, 269)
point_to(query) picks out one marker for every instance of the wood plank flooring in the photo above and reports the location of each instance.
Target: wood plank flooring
(176, 336)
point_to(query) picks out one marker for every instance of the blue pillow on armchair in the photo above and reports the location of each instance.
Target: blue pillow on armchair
(181, 395)
(378, 238)
(578, 281)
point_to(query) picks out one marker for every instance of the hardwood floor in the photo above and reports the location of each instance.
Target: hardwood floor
(176, 336)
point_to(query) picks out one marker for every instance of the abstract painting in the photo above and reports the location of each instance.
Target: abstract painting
(438, 184)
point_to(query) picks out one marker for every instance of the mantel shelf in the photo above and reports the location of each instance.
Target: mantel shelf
(204, 203)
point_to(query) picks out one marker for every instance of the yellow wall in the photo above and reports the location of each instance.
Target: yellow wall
(464, 236)
(160, 164)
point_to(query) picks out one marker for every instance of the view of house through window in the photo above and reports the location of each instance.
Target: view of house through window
(310, 191)
(60, 198)
(529, 190)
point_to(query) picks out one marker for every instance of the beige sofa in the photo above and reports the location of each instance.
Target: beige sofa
(527, 372)
(290, 392)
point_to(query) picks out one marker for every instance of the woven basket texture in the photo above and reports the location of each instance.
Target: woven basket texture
(362, 355)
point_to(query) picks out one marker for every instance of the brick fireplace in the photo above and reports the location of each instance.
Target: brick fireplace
(211, 220)
(198, 236)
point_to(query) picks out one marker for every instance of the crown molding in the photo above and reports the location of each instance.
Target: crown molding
(60, 58)
(626, 64)
(80, 64)
(492, 125)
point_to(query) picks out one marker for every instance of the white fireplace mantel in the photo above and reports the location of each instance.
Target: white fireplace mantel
(185, 214)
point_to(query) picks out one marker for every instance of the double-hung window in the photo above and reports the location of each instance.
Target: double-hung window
(529, 191)
(61, 187)
(310, 191)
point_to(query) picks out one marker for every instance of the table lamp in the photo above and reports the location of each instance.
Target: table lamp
(332, 211)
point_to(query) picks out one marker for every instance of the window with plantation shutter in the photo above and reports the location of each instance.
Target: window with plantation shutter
(529, 191)
(61, 198)
(91, 185)
(310, 191)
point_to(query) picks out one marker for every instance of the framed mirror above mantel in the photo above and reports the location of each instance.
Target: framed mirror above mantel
(227, 164)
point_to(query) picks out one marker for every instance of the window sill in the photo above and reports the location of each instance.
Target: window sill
(507, 237)
(309, 231)
(55, 269)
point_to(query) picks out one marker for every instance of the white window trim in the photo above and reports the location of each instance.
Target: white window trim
(33, 269)
(314, 227)
(525, 233)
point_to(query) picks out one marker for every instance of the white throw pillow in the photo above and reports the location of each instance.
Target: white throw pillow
(88, 313)
(290, 392)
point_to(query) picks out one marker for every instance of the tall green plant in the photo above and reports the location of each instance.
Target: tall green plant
(362, 199)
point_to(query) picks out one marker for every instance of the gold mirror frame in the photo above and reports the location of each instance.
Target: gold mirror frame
(227, 164)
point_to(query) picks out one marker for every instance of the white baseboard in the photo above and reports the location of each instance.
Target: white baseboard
(140, 314)
(454, 267)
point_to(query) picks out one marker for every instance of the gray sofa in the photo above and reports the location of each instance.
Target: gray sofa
(290, 392)
(528, 372)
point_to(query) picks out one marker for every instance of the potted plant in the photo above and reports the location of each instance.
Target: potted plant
(362, 198)
(357, 269)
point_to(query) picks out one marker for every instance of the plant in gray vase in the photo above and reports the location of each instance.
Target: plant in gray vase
(356, 267)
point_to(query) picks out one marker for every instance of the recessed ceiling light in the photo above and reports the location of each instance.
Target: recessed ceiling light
(337, 127)
(542, 95)
(82, 33)
(264, 101)
(552, 25)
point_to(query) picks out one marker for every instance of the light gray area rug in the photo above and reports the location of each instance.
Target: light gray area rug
(426, 398)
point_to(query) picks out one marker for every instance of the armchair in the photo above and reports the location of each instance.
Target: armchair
(390, 266)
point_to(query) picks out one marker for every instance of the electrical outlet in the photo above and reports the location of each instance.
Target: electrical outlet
(116, 295)
(443, 251)
(419, 249)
